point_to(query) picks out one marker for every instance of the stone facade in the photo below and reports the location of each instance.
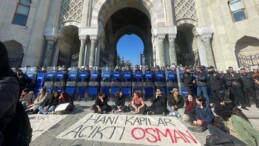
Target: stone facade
(189, 32)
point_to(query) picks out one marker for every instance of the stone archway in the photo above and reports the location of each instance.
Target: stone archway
(247, 51)
(15, 53)
(68, 45)
(103, 9)
(125, 21)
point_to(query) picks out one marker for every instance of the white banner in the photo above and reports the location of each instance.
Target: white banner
(41, 123)
(132, 129)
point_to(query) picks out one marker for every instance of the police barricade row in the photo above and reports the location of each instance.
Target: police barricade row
(87, 84)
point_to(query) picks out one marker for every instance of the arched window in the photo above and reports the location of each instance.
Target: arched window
(237, 9)
(22, 12)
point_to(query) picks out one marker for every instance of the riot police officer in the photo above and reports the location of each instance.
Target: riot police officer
(187, 79)
(248, 86)
(214, 83)
(233, 82)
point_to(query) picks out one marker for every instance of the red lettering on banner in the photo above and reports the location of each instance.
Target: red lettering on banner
(154, 136)
(167, 132)
(133, 133)
(179, 136)
(188, 136)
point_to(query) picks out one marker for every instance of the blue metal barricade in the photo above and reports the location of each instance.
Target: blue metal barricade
(116, 82)
(93, 85)
(82, 81)
(160, 81)
(106, 81)
(39, 82)
(49, 80)
(148, 84)
(126, 83)
(71, 82)
(59, 82)
(171, 81)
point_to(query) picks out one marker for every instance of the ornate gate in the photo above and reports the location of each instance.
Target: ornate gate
(248, 61)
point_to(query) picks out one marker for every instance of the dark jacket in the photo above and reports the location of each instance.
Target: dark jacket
(247, 80)
(179, 104)
(159, 102)
(205, 114)
(201, 79)
(232, 80)
(187, 79)
(214, 80)
(119, 101)
(100, 103)
(9, 91)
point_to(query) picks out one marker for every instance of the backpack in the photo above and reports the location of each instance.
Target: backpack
(18, 132)
(218, 140)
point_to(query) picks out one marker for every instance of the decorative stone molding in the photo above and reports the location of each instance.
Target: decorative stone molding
(205, 32)
(160, 37)
(91, 31)
(185, 9)
(71, 10)
(171, 37)
(164, 30)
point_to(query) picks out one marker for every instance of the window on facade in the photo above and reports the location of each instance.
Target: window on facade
(237, 9)
(22, 12)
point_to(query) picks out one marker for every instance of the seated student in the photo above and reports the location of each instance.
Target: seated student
(175, 104)
(51, 105)
(119, 102)
(203, 113)
(40, 100)
(238, 126)
(64, 97)
(27, 98)
(190, 105)
(137, 104)
(158, 104)
(101, 105)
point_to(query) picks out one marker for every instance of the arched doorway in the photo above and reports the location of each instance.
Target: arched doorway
(247, 51)
(15, 53)
(184, 45)
(130, 49)
(127, 20)
(68, 46)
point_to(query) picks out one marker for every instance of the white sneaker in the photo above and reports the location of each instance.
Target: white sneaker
(179, 116)
(172, 114)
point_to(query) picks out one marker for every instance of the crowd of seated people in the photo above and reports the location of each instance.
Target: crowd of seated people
(194, 108)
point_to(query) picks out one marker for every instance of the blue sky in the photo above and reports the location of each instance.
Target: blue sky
(129, 47)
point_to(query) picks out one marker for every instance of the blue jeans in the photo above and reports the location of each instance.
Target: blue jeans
(203, 90)
(45, 112)
(172, 111)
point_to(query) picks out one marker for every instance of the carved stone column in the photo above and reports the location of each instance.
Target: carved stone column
(49, 51)
(81, 51)
(172, 51)
(160, 50)
(92, 50)
(209, 53)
